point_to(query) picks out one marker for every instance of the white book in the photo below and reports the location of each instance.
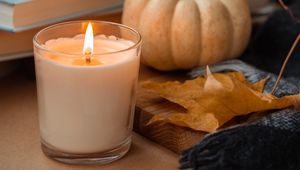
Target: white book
(20, 15)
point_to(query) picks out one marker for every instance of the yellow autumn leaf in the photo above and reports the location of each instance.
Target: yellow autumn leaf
(213, 100)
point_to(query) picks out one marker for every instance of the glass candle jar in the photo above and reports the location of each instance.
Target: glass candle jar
(86, 100)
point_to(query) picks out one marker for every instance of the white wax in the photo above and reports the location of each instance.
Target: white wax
(86, 109)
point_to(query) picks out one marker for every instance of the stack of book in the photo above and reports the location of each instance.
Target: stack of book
(20, 20)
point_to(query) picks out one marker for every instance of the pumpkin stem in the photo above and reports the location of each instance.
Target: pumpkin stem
(285, 63)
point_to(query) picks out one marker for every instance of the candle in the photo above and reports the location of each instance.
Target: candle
(86, 89)
(82, 98)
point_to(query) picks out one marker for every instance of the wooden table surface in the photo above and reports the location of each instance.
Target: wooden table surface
(20, 142)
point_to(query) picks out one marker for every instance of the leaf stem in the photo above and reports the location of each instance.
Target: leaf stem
(285, 63)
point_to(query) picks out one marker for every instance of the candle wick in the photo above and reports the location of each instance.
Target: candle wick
(88, 54)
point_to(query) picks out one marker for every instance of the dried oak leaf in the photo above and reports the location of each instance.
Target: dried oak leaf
(213, 100)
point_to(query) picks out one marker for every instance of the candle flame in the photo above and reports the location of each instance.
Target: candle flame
(88, 46)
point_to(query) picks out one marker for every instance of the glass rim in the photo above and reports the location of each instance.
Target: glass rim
(42, 47)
